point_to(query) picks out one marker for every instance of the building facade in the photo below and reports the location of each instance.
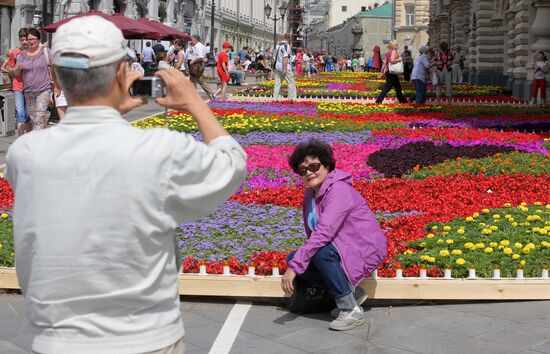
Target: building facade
(498, 37)
(411, 23)
(358, 35)
(241, 22)
(340, 10)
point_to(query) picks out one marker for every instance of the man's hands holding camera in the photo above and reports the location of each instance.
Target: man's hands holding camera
(181, 95)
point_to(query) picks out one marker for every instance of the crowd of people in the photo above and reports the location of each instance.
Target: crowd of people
(35, 92)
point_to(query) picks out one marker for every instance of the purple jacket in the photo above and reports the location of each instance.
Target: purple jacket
(347, 222)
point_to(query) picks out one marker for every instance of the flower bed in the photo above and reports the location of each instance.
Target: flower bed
(366, 85)
(447, 163)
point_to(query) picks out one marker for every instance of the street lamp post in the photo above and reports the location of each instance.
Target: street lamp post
(211, 61)
(282, 12)
(306, 29)
(322, 37)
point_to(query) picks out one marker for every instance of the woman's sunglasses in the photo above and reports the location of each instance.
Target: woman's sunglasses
(313, 167)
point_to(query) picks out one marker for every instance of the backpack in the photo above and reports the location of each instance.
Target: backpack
(274, 63)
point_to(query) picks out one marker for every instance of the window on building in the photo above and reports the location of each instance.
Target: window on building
(344, 9)
(409, 15)
(363, 8)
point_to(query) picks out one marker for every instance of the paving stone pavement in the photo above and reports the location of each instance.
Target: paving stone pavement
(390, 328)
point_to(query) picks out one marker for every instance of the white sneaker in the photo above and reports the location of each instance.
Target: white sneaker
(360, 296)
(348, 320)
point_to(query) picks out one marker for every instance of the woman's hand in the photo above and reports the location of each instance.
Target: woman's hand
(287, 281)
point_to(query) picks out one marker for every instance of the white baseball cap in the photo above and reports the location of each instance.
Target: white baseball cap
(94, 40)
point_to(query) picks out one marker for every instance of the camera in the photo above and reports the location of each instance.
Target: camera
(149, 86)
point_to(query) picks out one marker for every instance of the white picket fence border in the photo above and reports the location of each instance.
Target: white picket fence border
(407, 288)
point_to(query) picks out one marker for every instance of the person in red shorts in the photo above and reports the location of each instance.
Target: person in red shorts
(223, 71)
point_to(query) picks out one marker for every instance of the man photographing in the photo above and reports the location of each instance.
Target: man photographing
(97, 201)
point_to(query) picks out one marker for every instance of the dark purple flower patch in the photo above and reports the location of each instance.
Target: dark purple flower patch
(397, 162)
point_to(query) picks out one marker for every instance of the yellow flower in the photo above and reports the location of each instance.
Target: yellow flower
(449, 241)
(431, 259)
(507, 205)
(515, 256)
(444, 253)
(545, 244)
(493, 244)
(543, 232)
(486, 231)
(480, 245)
(526, 250)
(468, 245)
(493, 228)
(518, 245)
(422, 244)
(488, 250)
(469, 219)
(460, 261)
(537, 203)
(434, 227)
(539, 211)
(440, 242)
(531, 245)
(496, 216)
(514, 224)
(460, 231)
(456, 252)
(407, 252)
(485, 211)
(430, 235)
(507, 216)
(507, 251)
(4, 215)
(522, 262)
(505, 243)
(523, 203)
(475, 215)
(447, 228)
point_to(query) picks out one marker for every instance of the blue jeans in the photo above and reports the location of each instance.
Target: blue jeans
(420, 94)
(237, 75)
(21, 115)
(325, 271)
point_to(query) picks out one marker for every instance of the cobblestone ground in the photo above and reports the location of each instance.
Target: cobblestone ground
(391, 327)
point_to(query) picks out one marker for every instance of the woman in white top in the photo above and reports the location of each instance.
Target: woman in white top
(180, 56)
(539, 77)
(307, 64)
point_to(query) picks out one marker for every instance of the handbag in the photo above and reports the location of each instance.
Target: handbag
(396, 68)
(309, 298)
(196, 69)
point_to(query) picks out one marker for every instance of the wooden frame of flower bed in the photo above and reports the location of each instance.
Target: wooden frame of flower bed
(379, 288)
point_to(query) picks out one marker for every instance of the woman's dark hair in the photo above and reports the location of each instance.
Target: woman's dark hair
(444, 46)
(34, 32)
(23, 32)
(313, 148)
(544, 58)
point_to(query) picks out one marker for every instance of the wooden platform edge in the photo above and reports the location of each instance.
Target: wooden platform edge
(382, 288)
